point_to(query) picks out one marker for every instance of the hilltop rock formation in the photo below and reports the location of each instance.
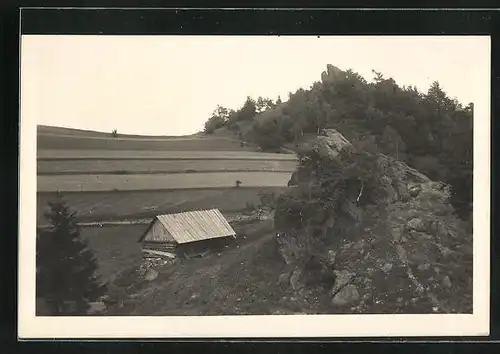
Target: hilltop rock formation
(365, 233)
(331, 73)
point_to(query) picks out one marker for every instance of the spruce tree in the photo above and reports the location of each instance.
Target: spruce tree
(66, 268)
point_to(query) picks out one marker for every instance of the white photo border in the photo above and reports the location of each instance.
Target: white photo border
(302, 326)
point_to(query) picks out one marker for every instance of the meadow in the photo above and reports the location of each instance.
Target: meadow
(100, 206)
(115, 247)
(133, 178)
(120, 184)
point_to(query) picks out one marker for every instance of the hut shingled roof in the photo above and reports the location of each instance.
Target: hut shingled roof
(194, 226)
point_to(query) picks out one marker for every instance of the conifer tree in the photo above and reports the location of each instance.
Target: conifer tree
(66, 267)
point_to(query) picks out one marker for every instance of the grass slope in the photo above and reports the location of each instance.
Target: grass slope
(239, 280)
(53, 130)
(66, 138)
(115, 247)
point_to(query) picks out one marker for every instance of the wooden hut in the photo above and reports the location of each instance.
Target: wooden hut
(188, 234)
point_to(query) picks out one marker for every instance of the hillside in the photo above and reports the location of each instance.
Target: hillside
(239, 280)
(116, 184)
(371, 215)
(57, 138)
(398, 250)
(46, 130)
(429, 131)
(131, 177)
(384, 232)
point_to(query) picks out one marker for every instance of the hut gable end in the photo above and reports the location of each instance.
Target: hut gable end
(158, 233)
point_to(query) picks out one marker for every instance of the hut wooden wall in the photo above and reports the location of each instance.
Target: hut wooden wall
(159, 239)
(159, 246)
(193, 249)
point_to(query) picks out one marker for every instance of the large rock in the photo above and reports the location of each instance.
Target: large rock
(347, 295)
(332, 145)
(331, 74)
(151, 274)
(404, 242)
(343, 278)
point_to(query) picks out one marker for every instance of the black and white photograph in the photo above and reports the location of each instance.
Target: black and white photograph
(280, 179)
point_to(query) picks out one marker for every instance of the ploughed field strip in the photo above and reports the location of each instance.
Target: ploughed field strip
(106, 182)
(118, 185)
(47, 154)
(146, 166)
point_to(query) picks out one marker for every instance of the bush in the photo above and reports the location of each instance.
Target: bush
(267, 136)
(214, 123)
(267, 200)
(233, 126)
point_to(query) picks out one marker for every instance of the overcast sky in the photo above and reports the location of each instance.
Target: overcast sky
(169, 85)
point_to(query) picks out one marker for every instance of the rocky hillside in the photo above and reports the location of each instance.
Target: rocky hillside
(429, 131)
(365, 233)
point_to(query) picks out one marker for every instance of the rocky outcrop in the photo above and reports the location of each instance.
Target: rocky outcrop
(332, 145)
(329, 145)
(389, 243)
(331, 73)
